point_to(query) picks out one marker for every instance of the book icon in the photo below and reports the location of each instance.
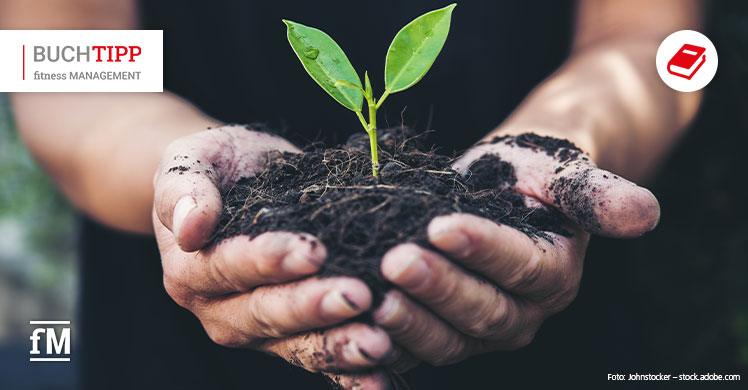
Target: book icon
(686, 61)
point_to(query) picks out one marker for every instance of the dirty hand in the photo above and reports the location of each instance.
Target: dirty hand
(253, 293)
(501, 284)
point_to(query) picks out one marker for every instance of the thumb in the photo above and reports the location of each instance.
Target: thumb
(602, 202)
(599, 201)
(186, 199)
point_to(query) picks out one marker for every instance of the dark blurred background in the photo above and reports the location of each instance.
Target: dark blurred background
(684, 287)
(674, 301)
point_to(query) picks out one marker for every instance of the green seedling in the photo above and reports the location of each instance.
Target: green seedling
(410, 56)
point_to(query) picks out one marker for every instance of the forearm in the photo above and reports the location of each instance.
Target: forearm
(607, 97)
(609, 100)
(103, 149)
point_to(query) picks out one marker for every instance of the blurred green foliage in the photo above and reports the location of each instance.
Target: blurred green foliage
(37, 237)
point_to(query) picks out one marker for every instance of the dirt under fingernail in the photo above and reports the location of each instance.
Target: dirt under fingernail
(350, 302)
(367, 355)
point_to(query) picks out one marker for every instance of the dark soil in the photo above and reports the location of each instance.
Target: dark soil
(331, 194)
(562, 149)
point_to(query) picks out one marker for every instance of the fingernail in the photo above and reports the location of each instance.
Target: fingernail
(353, 354)
(304, 258)
(181, 210)
(408, 272)
(386, 310)
(366, 355)
(374, 348)
(449, 239)
(337, 304)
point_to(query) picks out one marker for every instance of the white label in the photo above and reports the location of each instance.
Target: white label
(81, 61)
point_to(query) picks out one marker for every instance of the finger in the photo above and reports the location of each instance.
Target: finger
(421, 333)
(376, 380)
(387, 377)
(239, 264)
(282, 310)
(186, 198)
(471, 305)
(534, 269)
(601, 202)
(351, 347)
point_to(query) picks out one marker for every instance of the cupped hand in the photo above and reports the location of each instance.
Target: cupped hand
(256, 293)
(492, 286)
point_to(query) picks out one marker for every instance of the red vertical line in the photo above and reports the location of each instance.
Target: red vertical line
(23, 62)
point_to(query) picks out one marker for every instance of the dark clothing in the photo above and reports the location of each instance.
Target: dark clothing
(231, 59)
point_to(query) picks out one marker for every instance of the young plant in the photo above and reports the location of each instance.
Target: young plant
(410, 56)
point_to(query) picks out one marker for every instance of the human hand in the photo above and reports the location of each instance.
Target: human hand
(500, 284)
(255, 293)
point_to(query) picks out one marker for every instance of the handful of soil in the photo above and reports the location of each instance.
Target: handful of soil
(331, 194)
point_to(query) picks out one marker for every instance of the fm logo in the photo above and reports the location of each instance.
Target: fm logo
(57, 344)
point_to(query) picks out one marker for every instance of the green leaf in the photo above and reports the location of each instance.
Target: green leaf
(326, 63)
(415, 47)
